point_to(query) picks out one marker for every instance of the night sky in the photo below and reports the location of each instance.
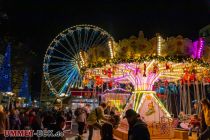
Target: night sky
(37, 22)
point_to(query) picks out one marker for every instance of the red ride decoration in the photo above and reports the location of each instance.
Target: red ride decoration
(136, 71)
(145, 67)
(110, 84)
(155, 68)
(207, 79)
(109, 72)
(186, 74)
(192, 77)
(167, 66)
(104, 71)
(166, 83)
(161, 96)
(182, 81)
(99, 81)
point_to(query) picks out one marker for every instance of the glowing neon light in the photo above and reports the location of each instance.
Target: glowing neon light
(111, 90)
(200, 50)
(150, 64)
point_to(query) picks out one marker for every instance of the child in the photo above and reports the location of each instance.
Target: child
(182, 117)
(194, 124)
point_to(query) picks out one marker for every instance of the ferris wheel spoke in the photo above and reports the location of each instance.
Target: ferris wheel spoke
(79, 39)
(61, 80)
(63, 53)
(103, 42)
(66, 49)
(85, 39)
(70, 46)
(75, 43)
(97, 40)
(76, 78)
(56, 77)
(64, 60)
(58, 84)
(59, 75)
(64, 78)
(59, 63)
(60, 58)
(57, 69)
(96, 36)
(67, 81)
(90, 39)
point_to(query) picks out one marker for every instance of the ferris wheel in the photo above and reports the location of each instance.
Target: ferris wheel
(63, 60)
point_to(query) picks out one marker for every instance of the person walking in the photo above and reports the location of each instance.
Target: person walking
(94, 119)
(87, 110)
(58, 128)
(81, 120)
(137, 128)
(206, 110)
(14, 120)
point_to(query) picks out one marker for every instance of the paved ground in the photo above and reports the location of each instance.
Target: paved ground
(96, 136)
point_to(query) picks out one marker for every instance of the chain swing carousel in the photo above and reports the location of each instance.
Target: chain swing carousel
(137, 61)
(142, 62)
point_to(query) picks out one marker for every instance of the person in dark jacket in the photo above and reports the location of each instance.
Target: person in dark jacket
(137, 128)
(107, 132)
(58, 129)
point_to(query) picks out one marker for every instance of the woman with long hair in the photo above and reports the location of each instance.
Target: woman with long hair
(206, 110)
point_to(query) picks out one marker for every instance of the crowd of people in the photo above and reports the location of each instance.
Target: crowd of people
(103, 118)
(91, 119)
(33, 119)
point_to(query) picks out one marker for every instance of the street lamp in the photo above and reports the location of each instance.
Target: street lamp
(62, 94)
(61, 97)
(10, 95)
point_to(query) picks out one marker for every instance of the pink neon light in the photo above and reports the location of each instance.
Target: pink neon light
(137, 79)
(120, 78)
(111, 90)
(194, 49)
(129, 67)
(201, 45)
